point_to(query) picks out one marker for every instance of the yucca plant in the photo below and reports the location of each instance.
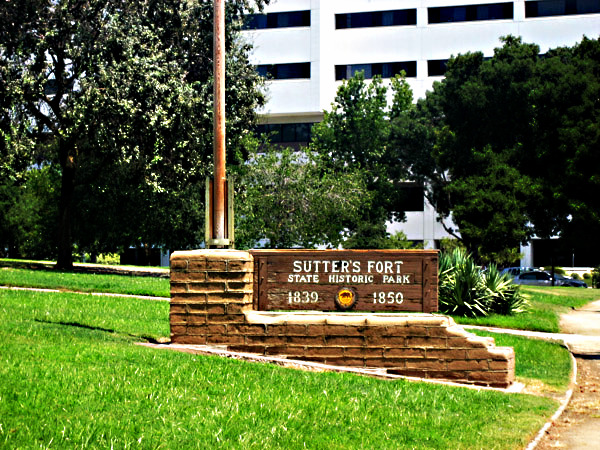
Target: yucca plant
(467, 290)
(461, 286)
(505, 297)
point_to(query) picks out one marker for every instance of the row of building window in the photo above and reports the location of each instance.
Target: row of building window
(384, 70)
(548, 8)
(396, 17)
(286, 133)
(343, 72)
(288, 71)
(444, 14)
(277, 20)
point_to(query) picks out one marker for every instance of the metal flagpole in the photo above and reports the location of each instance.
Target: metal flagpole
(217, 222)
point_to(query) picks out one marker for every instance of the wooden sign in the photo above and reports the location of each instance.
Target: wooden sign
(346, 280)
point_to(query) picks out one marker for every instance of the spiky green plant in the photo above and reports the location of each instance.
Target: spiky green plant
(467, 290)
(461, 286)
(504, 297)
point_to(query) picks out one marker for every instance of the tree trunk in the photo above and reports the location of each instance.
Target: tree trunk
(65, 244)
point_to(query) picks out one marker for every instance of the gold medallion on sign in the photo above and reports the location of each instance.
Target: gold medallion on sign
(345, 298)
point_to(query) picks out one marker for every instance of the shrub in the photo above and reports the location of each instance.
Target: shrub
(467, 290)
(504, 296)
(587, 276)
(461, 285)
(575, 276)
(558, 270)
(112, 259)
(596, 277)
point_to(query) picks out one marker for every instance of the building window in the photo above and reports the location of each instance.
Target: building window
(436, 67)
(384, 70)
(547, 8)
(283, 133)
(277, 20)
(468, 13)
(412, 197)
(284, 71)
(376, 19)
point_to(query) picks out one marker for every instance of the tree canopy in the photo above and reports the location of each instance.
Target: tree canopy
(290, 199)
(118, 96)
(355, 135)
(509, 145)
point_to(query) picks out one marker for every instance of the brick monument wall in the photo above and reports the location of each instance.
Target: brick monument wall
(212, 303)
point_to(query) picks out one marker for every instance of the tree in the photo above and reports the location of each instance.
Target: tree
(291, 200)
(28, 210)
(355, 134)
(508, 138)
(121, 95)
(566, 149)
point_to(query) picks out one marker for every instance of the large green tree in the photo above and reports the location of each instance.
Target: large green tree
(566, 145)
(511, 145)
(291, 199)
(355, 135)
(119, 94)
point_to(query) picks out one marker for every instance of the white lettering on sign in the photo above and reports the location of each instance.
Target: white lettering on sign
(347, 266)
(396, 279)
(303, 278)
(335, 266)
(388, 298)
(384, 266)
(350, 279)
(348, 272)
(303, 297)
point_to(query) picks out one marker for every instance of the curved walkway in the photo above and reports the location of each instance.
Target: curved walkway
(101, 294)
(578, 427)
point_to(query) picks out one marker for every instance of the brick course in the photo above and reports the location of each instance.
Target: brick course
(212, 303)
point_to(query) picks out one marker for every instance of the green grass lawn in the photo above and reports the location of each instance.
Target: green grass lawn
(85, 282)
(546, 305)
(536, 360)
(72, 377)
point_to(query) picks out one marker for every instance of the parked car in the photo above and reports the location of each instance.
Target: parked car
(534, 278)
(562, 280)
(541, 278)
(514, 271)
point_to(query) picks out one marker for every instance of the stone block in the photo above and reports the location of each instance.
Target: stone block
(189, 339)
(266, 340)
(362, 352)
(345, 361)
(285, 351)
(326, 352)
(345, 341)
(448, 354)
(313, 341)
(471, 364)
(433, 364)
(225, 318)
(426, 342)
(385, 341)
(405, 353)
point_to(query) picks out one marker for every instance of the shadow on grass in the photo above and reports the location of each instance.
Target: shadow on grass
(148, 339)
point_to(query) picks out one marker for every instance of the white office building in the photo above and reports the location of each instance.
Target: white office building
(307, 47)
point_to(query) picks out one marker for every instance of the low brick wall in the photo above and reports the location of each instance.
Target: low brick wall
(211, 303)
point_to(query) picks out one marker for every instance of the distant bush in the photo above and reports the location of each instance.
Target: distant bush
(109, 259)
(558, 270)
(575, 276)
(596, 277)
(467, 290)
(587, 276)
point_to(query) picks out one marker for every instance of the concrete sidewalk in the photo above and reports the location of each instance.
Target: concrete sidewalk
(578, 344)
(576, 425)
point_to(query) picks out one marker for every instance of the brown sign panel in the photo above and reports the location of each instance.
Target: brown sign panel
(346, 280)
